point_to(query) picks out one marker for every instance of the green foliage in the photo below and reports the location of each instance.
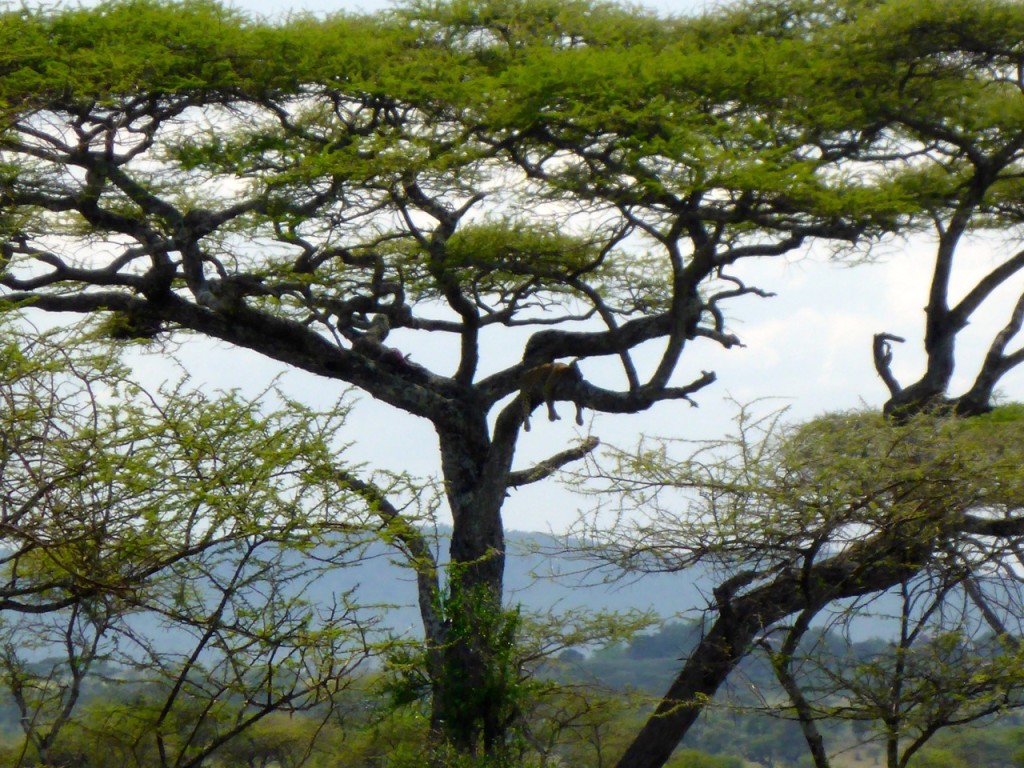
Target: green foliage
(691, 758)
(838, 476)
(990, 746)
(283, 741)
(491, 699)
(917, 490)
(177, 511)
(1007, 412)
(495, 256)
(308, 187)
(115, 48)
(668, 91)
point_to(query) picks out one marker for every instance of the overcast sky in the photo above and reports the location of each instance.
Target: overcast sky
(809, 348)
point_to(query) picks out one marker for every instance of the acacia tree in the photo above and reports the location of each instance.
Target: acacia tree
(851, 506)
(582, 174)
(846, 508)
(944, 668)
(127, 517)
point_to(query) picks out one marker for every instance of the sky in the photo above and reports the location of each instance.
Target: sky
(808, 349)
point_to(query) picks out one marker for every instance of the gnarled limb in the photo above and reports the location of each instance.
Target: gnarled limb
(882, 352)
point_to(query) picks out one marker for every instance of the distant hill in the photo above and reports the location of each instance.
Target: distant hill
(541, 576)
(537, 577)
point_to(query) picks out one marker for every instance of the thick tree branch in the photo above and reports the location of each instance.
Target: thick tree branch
(869, 565)
(386, 376)
(991, 616)
(996, 364)
(993, 280)
(998, 528)
(549, 466)
(552, 344)
(608, 401)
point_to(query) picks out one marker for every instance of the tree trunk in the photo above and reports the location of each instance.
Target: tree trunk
(471, 708)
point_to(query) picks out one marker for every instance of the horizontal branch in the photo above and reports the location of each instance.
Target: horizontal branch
(998, 528)
(634, 401)
(381, 372)
(551, 344)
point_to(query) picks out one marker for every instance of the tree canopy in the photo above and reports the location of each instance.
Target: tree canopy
(579, 179)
